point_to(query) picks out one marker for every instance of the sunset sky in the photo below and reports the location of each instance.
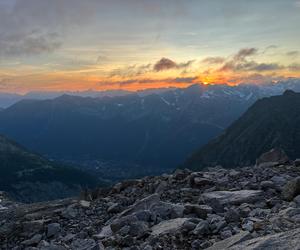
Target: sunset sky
(48, 45)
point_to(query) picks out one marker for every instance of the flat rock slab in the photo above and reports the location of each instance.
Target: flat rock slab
(236, 239)
(233, 197)
(168, 226)
(282, 241)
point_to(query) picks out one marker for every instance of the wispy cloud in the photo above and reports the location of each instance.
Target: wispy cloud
(32, 43)
(244, 53)
(293, 54)
(214, 60)
(167, 64)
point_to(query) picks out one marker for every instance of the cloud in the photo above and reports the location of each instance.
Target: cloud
(101, 59)
(32, 43)
(250, 66)
(294, 67)
(169, 81)
(161, 65)
(131, 71)
(214, 60)
(270, 47)
(165, 64)
(239, 62)
(266, 67)
(294, 53)
(244, 53)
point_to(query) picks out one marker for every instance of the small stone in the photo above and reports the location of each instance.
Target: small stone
(196, 244)
(297, 162)
(248, 226)
(267, 184)
(232, 215)
(35, 226)
(200, 210)
(114, 208)
(202, 228)
(297, 200)
(225, 234)
(84, 204)
(53, 229)
(33, 241)
(198, 181)
(168, 226)
(85, 244)
(189, 226)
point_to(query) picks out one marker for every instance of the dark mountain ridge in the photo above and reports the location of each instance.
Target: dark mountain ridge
(30, 177)
(270, 123)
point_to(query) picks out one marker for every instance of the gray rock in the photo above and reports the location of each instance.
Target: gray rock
(200, 210)
(275, 155)
(225, 234)
(168, 226)
(202, 228)
(297, 162)
(138, 229)
(143, 204)
(165, 210)
(267, 184)
(84, 203)
(291, 189)
(33, 241)
(86, 244)
(282, 241)
(297, 200)
(248, 226)
(199, 182)
(70, 212)
(279, 181)
(53, 229)
(105, 233)
(118, 223)
(232, 215)
(234, 240)
(189, 225)
(233, 197)
(32, 227)
(114, 208)
(144, 215)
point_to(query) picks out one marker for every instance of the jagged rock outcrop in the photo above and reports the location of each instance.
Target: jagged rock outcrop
(245, 208)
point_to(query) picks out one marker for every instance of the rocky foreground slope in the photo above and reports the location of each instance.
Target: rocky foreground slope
(250, 208)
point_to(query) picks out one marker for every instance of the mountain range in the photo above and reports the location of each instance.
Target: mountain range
(270, 123)
(131, 134)
(28, 177)
(155, 130)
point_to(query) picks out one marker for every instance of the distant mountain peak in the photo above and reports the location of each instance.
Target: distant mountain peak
(289, 92)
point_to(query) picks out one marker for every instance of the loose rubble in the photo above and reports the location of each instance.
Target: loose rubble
(255, 207)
